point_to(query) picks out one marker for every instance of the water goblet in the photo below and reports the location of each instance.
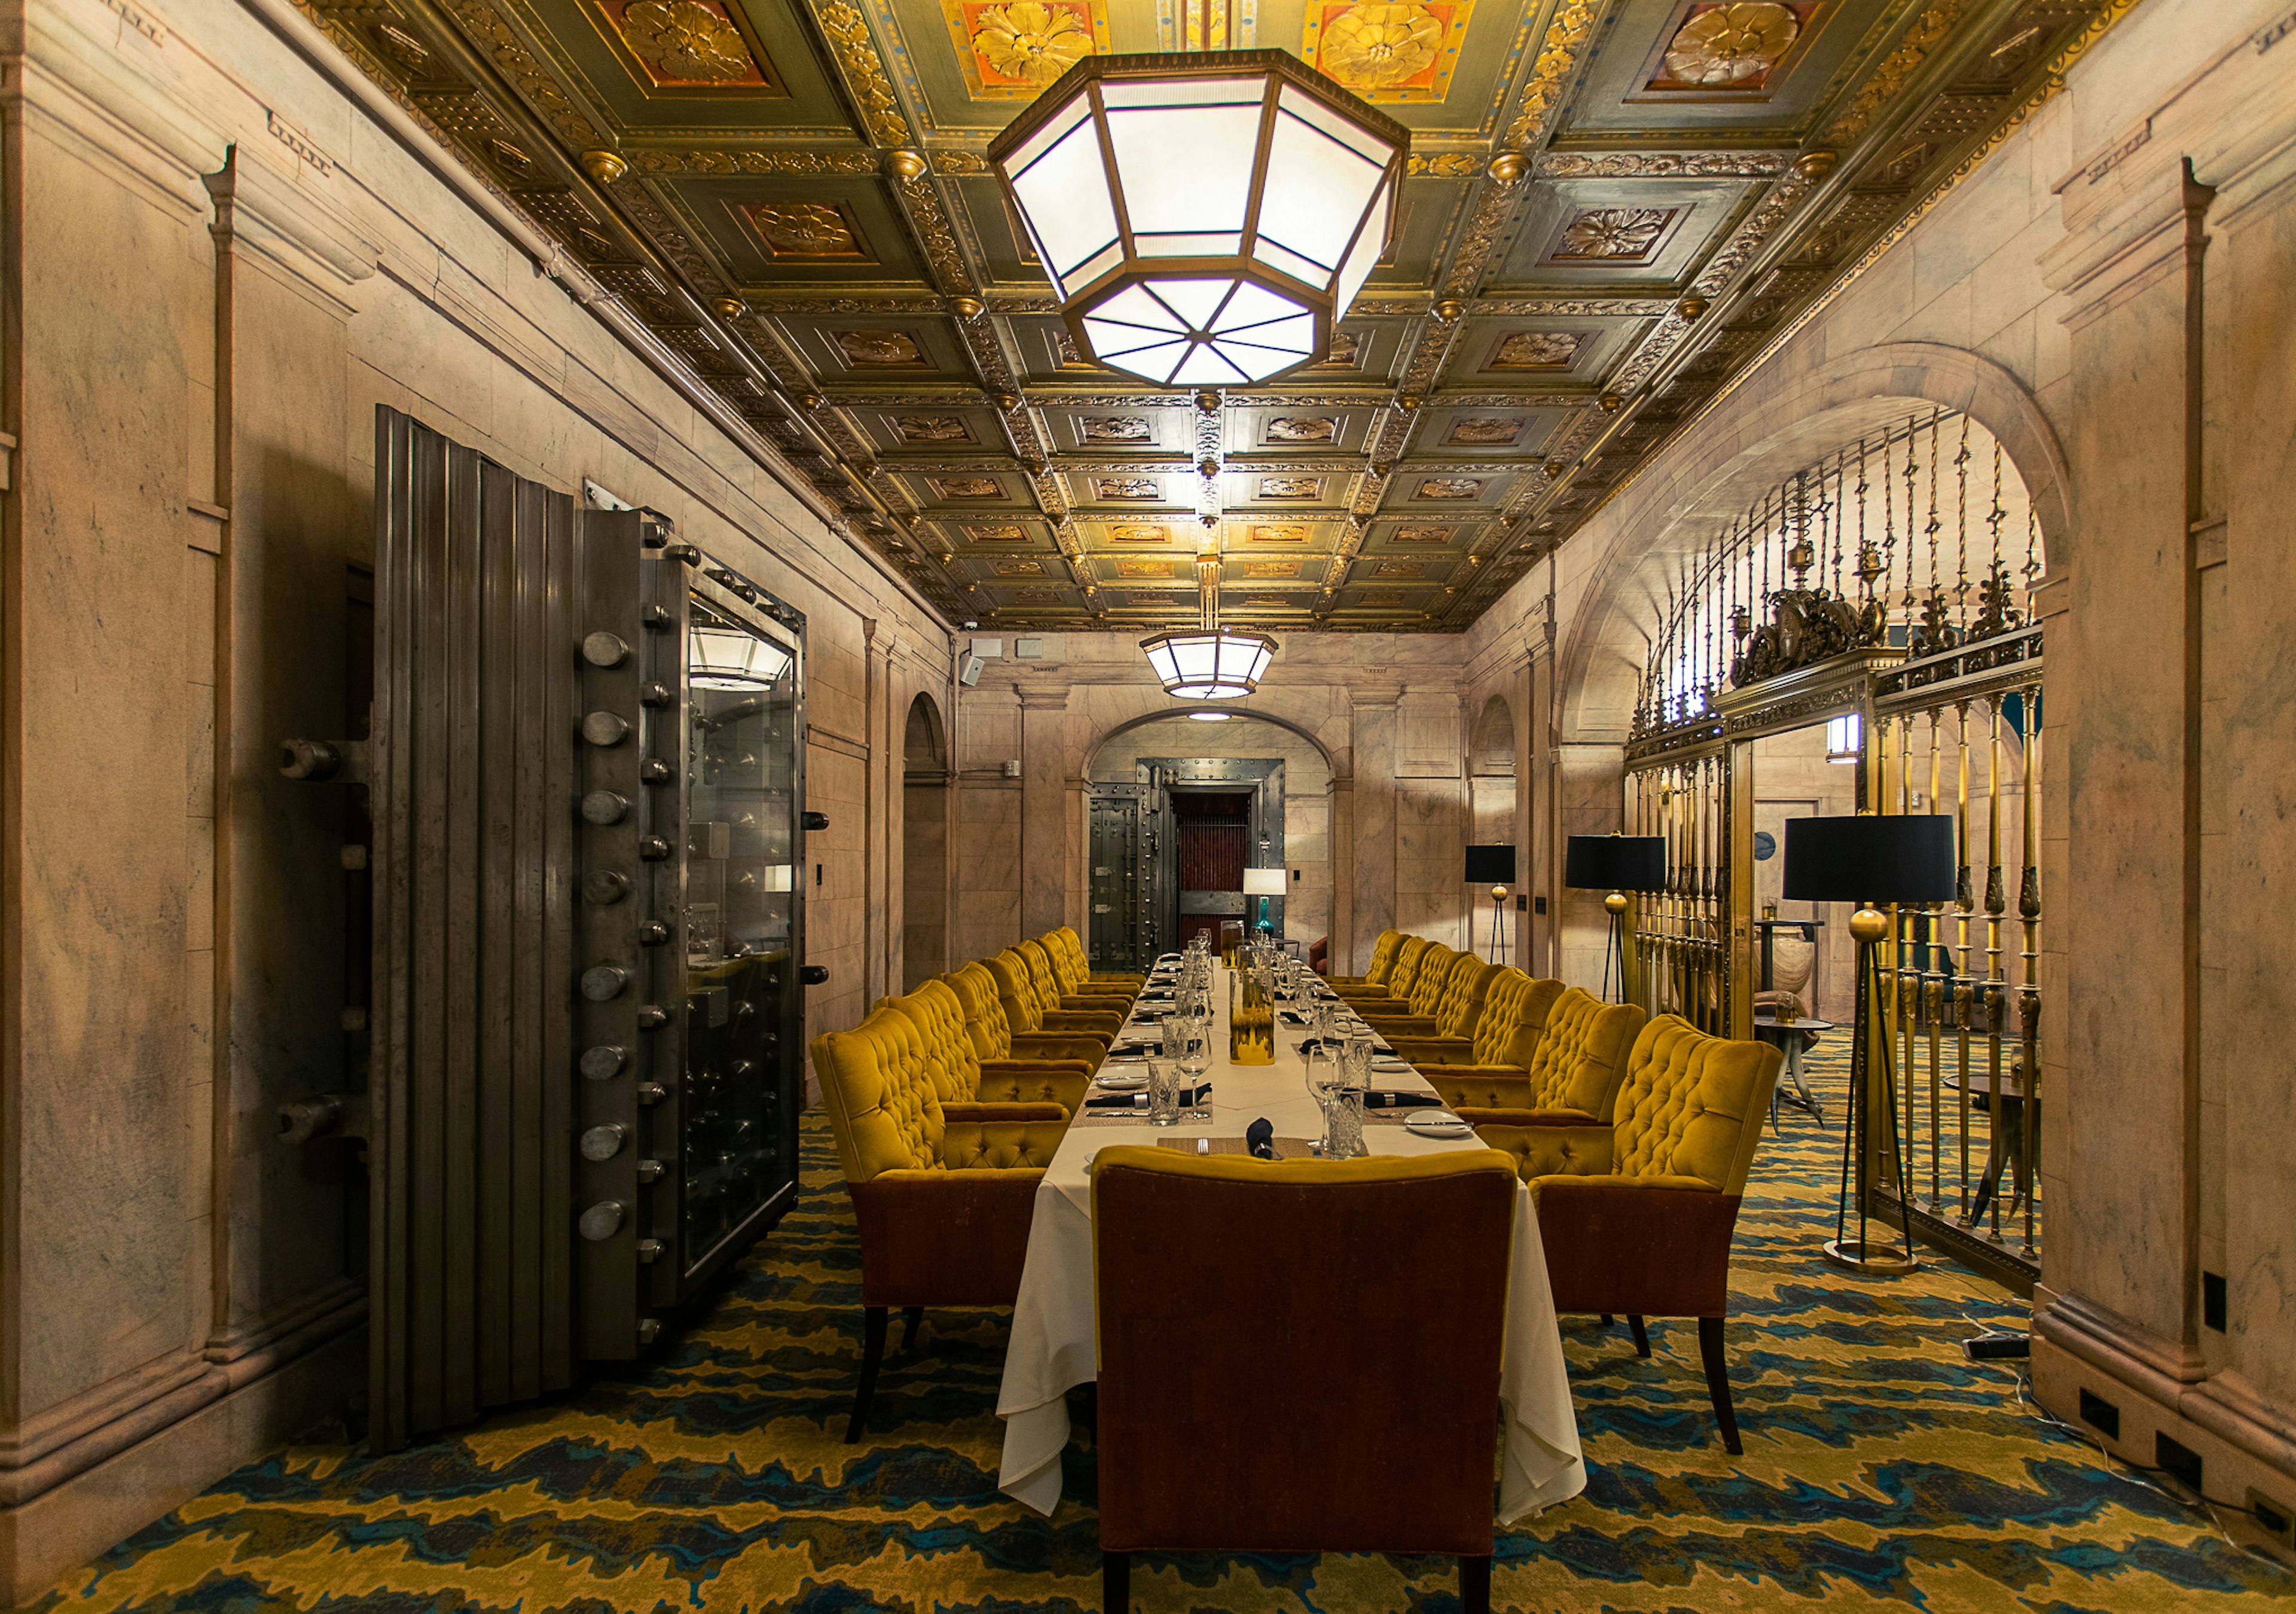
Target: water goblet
(1195, 1063)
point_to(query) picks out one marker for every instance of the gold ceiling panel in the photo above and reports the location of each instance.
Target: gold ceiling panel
(1612, 206)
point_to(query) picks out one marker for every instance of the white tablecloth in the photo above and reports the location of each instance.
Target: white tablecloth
(1053, 1346)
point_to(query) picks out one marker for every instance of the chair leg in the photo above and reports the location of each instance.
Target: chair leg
(872, 1352)
(1607, 1319)
(913, 1315)
(1115, 1582)
(1642, 1336)
(1718, 1381)
(1475, 1584)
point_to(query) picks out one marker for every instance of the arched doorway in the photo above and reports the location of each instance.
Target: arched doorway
(1491, 806)
(1180, 807)
(925, 845)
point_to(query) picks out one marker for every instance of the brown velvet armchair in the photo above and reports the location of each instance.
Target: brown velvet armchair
(991, 1032)
(1074, 968)
(960, 1075)
(944, 1193)
(1211, 1436)
(1030, 1008)
(1636, 1216)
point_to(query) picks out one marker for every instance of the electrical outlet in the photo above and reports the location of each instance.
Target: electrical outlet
(2179, 1461)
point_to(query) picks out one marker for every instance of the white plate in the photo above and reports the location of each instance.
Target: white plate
(1123, 1081)
(1437, 1124)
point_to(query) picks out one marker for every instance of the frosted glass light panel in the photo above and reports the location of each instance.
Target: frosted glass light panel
(742, 830)
(1206, 217)
(1209, 664)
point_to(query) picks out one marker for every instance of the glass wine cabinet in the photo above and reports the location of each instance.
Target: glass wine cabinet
(583, 1046)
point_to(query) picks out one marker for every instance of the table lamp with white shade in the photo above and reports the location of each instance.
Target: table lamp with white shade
(1263, 883)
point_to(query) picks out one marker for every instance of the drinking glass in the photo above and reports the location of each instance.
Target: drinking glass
(1196, 1060)
(1163, 1094)
(1343, 1124)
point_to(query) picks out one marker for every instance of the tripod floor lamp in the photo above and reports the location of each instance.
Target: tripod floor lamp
(1868, 860)
(1494, 866)
(1617, 864)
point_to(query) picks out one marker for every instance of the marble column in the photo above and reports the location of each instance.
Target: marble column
(1045, 818)
(1372, 842)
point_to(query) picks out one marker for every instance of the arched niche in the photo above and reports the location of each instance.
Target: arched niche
(926, 895)
(1334, 765)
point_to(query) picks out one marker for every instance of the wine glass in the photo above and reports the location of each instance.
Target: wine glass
(1196, 1060)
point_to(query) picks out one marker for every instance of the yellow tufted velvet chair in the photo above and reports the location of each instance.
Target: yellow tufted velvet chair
(992, 1034)
(944, 1192)
(1047, 977)
(1375, 973)
(1456, 990)
(1029, 1007)
(1574, 1072)
(1401, 970)
(1500, 1045)
(960, 1075)
(1074, 967)
(1637, 1216)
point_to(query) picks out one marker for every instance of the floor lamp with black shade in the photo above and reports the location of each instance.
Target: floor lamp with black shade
(1492, 865)
(1617, 864)
(1869, 860)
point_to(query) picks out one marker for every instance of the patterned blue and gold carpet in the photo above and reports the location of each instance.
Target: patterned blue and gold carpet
(1881, 1471)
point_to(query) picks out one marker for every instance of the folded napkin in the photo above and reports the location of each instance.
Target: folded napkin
(1292, 1017)
(1389, 1098)
(1257, 1136)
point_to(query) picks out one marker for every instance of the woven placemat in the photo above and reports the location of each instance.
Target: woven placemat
(1286, 1149)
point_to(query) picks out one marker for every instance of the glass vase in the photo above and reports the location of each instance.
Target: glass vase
(1251, 1016)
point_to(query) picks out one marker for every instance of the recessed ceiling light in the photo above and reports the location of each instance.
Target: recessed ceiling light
(1211, 716)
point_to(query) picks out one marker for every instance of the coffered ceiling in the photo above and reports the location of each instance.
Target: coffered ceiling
(1612, 207)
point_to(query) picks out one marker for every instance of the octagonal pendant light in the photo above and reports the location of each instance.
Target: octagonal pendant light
(1208, 662)
(1206, 216)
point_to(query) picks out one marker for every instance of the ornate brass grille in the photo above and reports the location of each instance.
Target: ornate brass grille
(1887, 587)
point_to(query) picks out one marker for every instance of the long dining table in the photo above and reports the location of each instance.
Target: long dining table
(1053, 1347)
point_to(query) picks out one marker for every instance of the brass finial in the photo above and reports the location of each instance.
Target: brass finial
(907, 166)
(604, 166)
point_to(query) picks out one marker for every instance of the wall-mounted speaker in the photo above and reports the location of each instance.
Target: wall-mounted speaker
(969, 674)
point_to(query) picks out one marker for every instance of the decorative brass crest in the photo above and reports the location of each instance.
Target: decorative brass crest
(1486, 431)
(933, 428)
(1126, 488)
(879, 349)
(1449, 488)
(1302, 429)
(807, 231)
(1291, 487)
(967, 487)
(1283, 532)
(1115, 428)
(1536, 350)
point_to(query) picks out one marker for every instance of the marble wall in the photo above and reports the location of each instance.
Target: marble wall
(2048, 294)
(228, 267)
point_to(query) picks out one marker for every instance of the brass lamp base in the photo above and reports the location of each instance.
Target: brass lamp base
(1883, 1263)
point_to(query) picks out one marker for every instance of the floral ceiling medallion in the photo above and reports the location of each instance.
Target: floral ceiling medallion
(1387, 52)
(1612, 235)
(1536, 350)
(686, 46)
(1011, 50)
(1302, 429)
(1730, 46)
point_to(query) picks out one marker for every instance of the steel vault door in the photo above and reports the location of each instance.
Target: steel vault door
(1121, 894)
(586, 780)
